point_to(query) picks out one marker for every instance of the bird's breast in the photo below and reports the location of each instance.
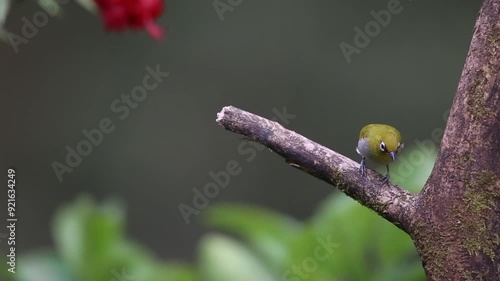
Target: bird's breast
(363, 147)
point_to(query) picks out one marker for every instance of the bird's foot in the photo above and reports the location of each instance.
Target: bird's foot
(362, 167)
(386, 178)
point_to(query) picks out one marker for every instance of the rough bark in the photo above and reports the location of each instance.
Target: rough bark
(456, 225)
(455, 220)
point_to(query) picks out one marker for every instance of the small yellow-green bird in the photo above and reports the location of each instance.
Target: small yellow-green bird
(380, 143)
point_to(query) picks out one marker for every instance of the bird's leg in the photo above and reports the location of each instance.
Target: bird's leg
(362, 167)
(387, 176)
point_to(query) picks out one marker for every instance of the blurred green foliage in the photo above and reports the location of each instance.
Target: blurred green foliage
(52, 7)
(91, 245)
(341, 241)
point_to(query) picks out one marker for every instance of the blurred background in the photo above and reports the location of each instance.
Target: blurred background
(264, 57)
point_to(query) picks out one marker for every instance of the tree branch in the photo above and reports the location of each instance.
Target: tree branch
(388, 200)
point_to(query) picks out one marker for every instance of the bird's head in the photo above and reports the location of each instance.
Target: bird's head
(387, 146)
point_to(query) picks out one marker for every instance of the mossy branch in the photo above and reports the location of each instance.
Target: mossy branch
(390, 201)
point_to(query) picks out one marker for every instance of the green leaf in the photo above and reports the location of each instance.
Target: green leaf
(5, 274)
(90, 238)
(339, 220)
(89, 5)
(413, 167)
(174, 272)
(370, 247)
(43, 266)
(224, 259)
(407, 272)
(4, 11)
(50, 6)
(267, 231)
(93, 245)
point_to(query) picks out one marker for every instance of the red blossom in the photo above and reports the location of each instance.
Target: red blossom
(120, 14)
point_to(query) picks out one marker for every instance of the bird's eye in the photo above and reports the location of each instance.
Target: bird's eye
(382, 146)
(401, 146)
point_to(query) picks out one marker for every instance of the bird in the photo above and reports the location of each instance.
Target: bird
(381, 143)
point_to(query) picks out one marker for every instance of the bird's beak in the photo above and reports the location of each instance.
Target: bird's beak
(393, 155)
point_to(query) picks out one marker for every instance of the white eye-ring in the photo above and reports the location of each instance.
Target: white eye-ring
(401, 146)
(382, 146)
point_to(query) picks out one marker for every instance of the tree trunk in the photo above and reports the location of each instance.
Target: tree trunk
(455, 220)
(456, 223)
